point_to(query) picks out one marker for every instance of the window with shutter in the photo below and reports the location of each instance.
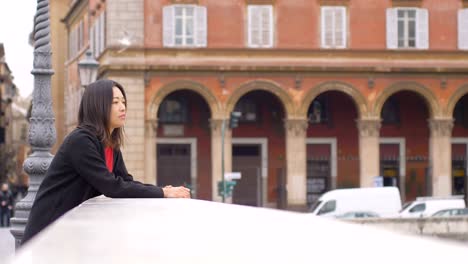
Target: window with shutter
(260, 26)
(407, 28)
(463, 29)
(333, 27)
(185, 26)
(406, 19)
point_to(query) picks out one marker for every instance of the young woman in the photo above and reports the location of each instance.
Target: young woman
(89, 162)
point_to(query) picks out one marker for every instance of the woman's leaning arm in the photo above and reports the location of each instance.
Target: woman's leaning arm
(85, 158)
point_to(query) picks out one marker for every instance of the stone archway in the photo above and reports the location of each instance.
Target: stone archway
(355, 94)
(453, 100)
(212, 101)
(263, 85)
(427, 94)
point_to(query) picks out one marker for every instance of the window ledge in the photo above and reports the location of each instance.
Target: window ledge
(334, 2)
(260, 2)
(406, 3)
(173, 2)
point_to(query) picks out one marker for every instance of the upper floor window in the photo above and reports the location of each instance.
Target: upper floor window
(333, 26)
(75, 39)
(463, 29)
(407, 28)
(184, 26)
(260, 26)
(98, 35)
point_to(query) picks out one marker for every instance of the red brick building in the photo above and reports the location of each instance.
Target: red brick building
(332, 92)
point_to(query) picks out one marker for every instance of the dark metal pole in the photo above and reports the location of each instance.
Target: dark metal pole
(42, 133)
(223, 131)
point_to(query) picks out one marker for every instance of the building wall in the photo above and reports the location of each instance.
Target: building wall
(58, 40)
(296, 70)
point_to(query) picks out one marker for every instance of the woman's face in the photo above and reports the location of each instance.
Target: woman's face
(118, 109)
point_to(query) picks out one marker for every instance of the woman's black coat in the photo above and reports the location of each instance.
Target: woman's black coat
(77, 173)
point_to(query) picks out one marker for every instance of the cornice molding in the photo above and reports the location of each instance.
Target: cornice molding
(226, 60)
(260, 2)
(76, 9)
(183, 2)
(334, 2)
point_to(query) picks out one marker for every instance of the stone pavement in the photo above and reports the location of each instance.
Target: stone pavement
(7, 245)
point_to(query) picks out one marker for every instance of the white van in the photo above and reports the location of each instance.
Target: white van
(384, 201)
(427, 206)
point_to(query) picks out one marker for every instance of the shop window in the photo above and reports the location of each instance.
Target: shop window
(173, 111)
(319, 111)
(391, 112)
(249, 110)
(460, 113)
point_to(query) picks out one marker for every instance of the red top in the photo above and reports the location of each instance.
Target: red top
(109, 154)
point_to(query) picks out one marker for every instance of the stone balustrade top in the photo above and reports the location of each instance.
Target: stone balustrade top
(104, 230)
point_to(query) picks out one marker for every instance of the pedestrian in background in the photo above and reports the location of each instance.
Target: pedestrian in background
(89, 161)
(6, 205)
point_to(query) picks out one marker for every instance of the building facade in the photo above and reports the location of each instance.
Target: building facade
(333, 93)
(13, 128)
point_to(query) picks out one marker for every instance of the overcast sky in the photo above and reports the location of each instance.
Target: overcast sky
(16, 23)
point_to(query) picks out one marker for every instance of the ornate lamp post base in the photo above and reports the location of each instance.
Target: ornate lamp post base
(42, 133)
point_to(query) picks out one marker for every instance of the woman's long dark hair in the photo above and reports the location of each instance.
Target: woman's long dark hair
(95, 110)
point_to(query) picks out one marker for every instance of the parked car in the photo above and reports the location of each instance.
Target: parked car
(358, 214)
(451, 212)
(384, 201)
(427, 206)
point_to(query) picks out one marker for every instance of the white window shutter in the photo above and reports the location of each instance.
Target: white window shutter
(463, 29)
(91, 39)
(102, 32)
(253, 18)
(340, 16)
(392, 28)
(200, 26)
(96, 37)
(272, 26)
(267, 26)
(422, 29)
(323, 26)
(168, 26)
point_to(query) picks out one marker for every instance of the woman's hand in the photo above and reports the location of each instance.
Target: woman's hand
(176, 192)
